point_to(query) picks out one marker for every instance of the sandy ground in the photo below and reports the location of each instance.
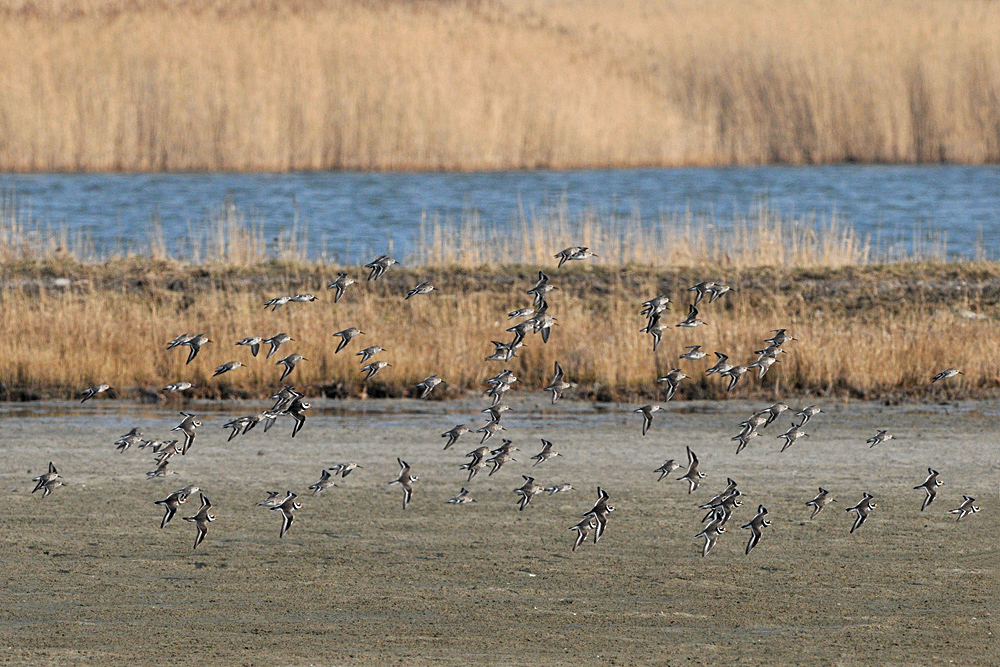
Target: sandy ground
(89, 577)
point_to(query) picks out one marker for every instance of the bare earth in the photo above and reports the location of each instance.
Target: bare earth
(89, 577)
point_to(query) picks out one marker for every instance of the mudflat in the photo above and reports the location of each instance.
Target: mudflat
(89, 577)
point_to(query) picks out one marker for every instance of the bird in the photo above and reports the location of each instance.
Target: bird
(344, 469)
(477, 463)
(599, 512)
(341, 284)
(655, 329)
(187, 427)
(287, 507)
(500, 457)
(545, 454)
(195, 343)
(558, 488)
(378, 266)
(495, 411)
(711, 533)
(180, 340)
(373, 368)
(862, 510)
(717, 290)
(489, 430)
(558, 384)
(178, 386)
(346, 336)
(667, 469)
(422, 288)
(543, 324)
(880, 437)
(930, 486)
(454, 434)
(773, 411)
(133, 437)
(694, 353)
(946, 374)
(90, 392)
(807, 413)
(655, 305)
(369, 352)
(276, 341)
(692, 318)
(161, 469)
(324, 483)
(170, 504)
(693, 476)
(966, 508)
(822, 499)
(755, 525)
(276, 303)
(461, 498)
(721, 364)
(700, 290)
(763, 364)
(253, 342)
(47, 481)
(272, 500)
(238, 427)
(573, 253)
(303, 298)
(647, 415)
(540, 289)
(583, 529)
(672, 379)
(226, 367)
(734, 373)
(202, 519)
(780, 337)
(289, 363)
(790, 436)
(297, 411)
(405, 480)
(520, 312)
(527, 491)
(427, 385)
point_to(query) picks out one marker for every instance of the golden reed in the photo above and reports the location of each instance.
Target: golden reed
(392, 84)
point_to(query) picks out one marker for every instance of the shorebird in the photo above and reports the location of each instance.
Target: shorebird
(340, 284)
(238, 426)
(165, 450)
(170, 504)
(272, 500)
(47, 481)
(276, 341)
(520, 312)
(545, 454)
(378, 266)
(966, 508)
(178, 386)
(180, 340)
(427, 385)
(527, 491)
(807, 413)
(369, 352)
(202, 519)
(773, 412)
(558, 488)
(755, 525)
(558, 384)
(462, 498)
(862, 509)
(520, 330)
(405, 480)
(667, 469)
(477, 463)
(496, 392)
(654, 328)
(500, 457)
(722, 364)
(540, 289)
(599, 512)
(373, 368)
(90, 392)
(324, 483)
(495, 411)
(717, 290)
(133, 437)
(700, 290)
(930, 486)
(946, 374)
(253, 342)
(297, 410)
(711, 534)
(879, 438)
(734, 374)
(673, 378)
(821, 500)
(226, 367)
(195, 343)
(656, 305)
(289, 363)
(344, 469)
(748, 433)
(346, 336)
(303, 298)
(583, 530)
(780, 337)
(187, 427)
(693, 476)
(573, 253)
(694, 353)
(647, 415)
(276, 303)
(764, 363)
(454, 434)
(791, 435)
(422, 288)
(543, 324)
(287, 507)
(489, 430)
(161, 469)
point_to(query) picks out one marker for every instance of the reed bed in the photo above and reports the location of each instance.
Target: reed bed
(387, 84)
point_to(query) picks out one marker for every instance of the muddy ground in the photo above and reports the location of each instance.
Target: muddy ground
(90, 578)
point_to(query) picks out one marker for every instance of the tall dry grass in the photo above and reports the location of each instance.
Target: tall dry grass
(370, 84)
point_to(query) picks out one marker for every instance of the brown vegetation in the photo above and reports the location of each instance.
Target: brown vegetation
(316, 84)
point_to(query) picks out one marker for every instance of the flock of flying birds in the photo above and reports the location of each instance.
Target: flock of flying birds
(533, 320)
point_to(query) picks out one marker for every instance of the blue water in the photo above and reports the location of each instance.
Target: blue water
(352, 214)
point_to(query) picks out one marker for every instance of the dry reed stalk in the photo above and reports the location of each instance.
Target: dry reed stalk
(318, 84)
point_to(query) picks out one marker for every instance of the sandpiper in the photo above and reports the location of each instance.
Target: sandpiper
(700, 290)
(966, 508)
(527, 491)
(717, 290)
(880, 437)
(545, 454)
(647, 415)
(427, 385)
(161, 469)
(583, 530)
(693, 476)
(946, 374)
(373, 368)
(780, 337)
(341, 284)
(692, 318)
(734, 374)
(324, 483)
(489, 430)
(807, 413)
(454, 434)
(180, 340)
(477, 463)
(369, 352)
(346, 336)
(500, 458)
(90, 392)
(272, 500)
(287, 507)
(133, 437)
(791, 435)
(226, 367)
(558, 384)
(862, 509)
(289, 363)
(573, 253)
(462, 498)
(178, 386)
(654, 328)
(253, 342)
(169, 505)
(694, 353)
(599, 512)
(202, 519)
(276, 303)
(667, 469)
(303, 298)
(755, 525)
(773, 412)
(495, 412)
(520, 312)
(195, 343)
(276, 341)
(822, 499)
(930, 486)
(763, 364)
(297, 410)
(378, 266)
(722, 364)
(422, 288)
(656, 305)
(47, 481)
(187, 427)
(405, 480)
(344, 469)
(237, 426)
(672, 379)
(558, 488)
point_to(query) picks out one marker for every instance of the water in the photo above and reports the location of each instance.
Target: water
(350, 215)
